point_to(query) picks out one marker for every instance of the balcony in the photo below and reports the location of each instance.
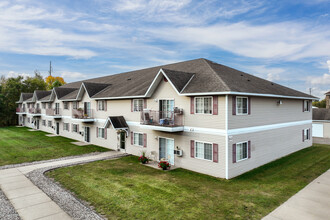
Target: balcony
(21, 111)
(55, 113)
(84, 115)
(169, 121)
(35, 111)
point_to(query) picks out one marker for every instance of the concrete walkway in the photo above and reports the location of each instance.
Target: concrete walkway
(312, 202)
(28, 200)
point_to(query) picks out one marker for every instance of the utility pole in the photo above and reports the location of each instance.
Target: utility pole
(50, 68)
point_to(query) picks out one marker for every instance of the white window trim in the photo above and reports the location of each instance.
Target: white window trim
(247, 150)
(308, 106)
(204, 142)
(195, 105)
(73, 128)
(247, 102)
(99, 133)
(306, 130)
(66, 103)
(98, 105)
(134, 105)
(142, 139)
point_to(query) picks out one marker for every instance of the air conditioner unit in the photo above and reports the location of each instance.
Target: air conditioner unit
(178, 153)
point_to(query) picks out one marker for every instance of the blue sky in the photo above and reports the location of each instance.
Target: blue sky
(287, 42)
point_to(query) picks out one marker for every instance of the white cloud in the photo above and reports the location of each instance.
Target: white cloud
(286, 40)
(16, 74)
(69, 76)
(321, 80)
(328, 62)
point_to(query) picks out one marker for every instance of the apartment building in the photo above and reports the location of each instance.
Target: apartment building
(197, 114)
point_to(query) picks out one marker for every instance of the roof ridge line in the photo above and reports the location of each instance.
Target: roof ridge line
(216, 74)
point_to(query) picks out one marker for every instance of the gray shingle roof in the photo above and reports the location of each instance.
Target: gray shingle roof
(41, 94)
(71, 95)
(321, 114)
(46, 98)
(93, 88)
(178, 78)
(209, 77)
(62, 91)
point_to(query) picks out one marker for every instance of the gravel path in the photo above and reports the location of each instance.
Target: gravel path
(73, 206)
(7, 211)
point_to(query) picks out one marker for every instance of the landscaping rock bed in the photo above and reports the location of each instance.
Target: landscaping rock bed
(73, 206)
(7, 211)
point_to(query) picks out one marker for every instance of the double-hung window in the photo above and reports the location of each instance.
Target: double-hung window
(101, 105)
(137, 105)
(306, 106)
(203, 105)
(75, 128)
(138, 139)
(242, 105)
(100, 132)
(66, 105)
(66, 126)
(43, 105)
(75, 105)
(49, 123)
(203, 150)
(306, 134)
(44, 123)
(241, 151)
(49, 105)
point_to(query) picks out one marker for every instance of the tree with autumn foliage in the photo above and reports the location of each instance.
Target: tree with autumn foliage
(53, 82)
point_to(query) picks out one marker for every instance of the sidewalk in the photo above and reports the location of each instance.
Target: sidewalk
(312, 202)
(29, 201)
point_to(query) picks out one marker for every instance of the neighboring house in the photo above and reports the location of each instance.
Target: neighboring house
(224, 122)
(321, 125)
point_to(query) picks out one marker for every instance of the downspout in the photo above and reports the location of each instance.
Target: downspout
(226, 135)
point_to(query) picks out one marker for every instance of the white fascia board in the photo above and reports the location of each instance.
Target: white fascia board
(253, 129)
(122, 97)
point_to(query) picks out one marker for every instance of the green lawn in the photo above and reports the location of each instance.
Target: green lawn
(124, 189)
(18, 145)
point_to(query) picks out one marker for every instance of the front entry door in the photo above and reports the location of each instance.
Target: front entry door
(87, 138)
(57, 128)
(122, 140)
(166, 149)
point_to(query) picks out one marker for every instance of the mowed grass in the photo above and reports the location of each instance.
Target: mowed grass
(18, 145)
(125, 189)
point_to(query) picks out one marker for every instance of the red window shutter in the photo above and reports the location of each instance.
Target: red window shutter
(309, 133)
(249, 149)
(303, 103)
(132, 137)
(234, 153)
(144, 103)
(105, 133)
(215, 153)
(215, 105)
(192, 148)
(309, 106)
(105, 105)
(234, 105)
(97, 105)
(77, 128)
(303, 139)
(71, 127)
(97, 131)
(144, 140)
(192, 105)
(249, 105)
(131, 105)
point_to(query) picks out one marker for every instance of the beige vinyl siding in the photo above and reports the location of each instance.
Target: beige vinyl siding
(182, 140)
(265, 111)
(166, 91)
(267, 146)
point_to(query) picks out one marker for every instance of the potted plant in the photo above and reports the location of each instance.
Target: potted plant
(143, 159)
(164, 165)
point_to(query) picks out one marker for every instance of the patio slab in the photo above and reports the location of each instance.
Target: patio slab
(80, 143)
